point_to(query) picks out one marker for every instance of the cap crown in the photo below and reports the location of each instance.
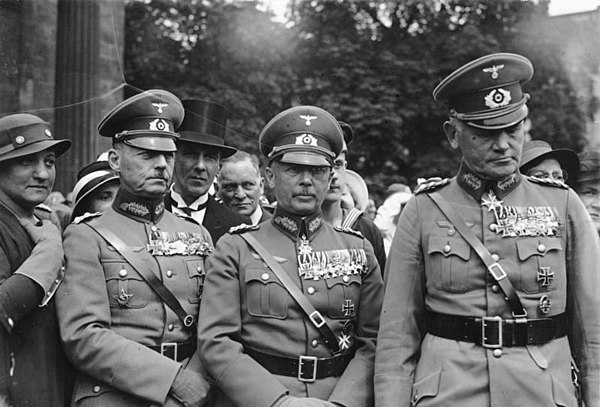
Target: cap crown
(487, 92)
(307, 129)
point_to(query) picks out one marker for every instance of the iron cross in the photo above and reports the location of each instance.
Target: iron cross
(348, 308)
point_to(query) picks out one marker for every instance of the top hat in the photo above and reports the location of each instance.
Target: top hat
(147, 120)
(205, 123)
(305, 135)
(486, 93)
(23, 134)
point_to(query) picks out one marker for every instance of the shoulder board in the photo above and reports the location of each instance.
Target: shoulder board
(44, 208)
(243, 227)
(86, 216)
(431, 184)
(349, 231)
(548, 182)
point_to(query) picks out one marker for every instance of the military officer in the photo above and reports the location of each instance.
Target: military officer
(493, 277)
(255, 338)
(130, 299)
(199, 152)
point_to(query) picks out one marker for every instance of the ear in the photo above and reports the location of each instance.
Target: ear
(261, 185)
(270, 177)
(114, 159)
(451, 130)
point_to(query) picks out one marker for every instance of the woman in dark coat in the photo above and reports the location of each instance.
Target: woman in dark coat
(32, 365)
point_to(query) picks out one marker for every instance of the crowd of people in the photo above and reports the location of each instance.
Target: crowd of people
(169, 279)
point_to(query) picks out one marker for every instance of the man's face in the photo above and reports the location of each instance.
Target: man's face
(195, 169)
(548, 168)
(240, 186)
(589, 192)
(28, 180)
(491, 154)
(299, 189)
(145, 173)
(338, 179)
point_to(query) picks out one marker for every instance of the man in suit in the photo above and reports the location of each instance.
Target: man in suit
(134, 274)
(240, 186)
(200, 148)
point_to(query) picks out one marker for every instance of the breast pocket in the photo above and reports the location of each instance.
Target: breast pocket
(125, 287)
(265, 295)
(449, 263)
(541, 264)
(196, 276)
(343, 295)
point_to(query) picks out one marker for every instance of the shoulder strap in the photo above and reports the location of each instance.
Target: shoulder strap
(350, 218)
(159, 288)
(315, 316)
(493, 267)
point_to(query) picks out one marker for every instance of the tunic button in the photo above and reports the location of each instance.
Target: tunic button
(495, 257)
(171, 327)
(11, 323)
(314, 343)
(311, 290)
(346, 279)
(96, 389)
(497, 353)
(493, 227)
(447, 248)
(495, 289)
(154, 228)
(265, 276)
(123, 273)
(169, 273)
(541, 248)
(451, 232)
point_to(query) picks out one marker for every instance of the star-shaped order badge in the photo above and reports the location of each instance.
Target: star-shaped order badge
(123, 298)
(304, 247)
(491, 202)
(344, 341)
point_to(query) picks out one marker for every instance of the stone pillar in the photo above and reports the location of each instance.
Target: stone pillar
(89, 36)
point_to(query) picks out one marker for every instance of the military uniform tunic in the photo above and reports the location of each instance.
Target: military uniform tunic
(246, 306)
(541, 235)
(109, 315)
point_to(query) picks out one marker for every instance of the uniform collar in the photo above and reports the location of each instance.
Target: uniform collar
(135, 207)
(476, 186)
(296, 226)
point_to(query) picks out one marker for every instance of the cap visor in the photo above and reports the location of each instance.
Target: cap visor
(58, 146)
(305, 158)
(501, 122)
(155, 143)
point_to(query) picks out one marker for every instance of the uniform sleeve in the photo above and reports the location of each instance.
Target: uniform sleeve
(583, 302)
(85, 325)
(239, 376)
(355, 387)
(400, 335)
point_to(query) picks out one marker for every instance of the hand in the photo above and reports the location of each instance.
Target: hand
(46, 230)
(290, 401)
(190, 388)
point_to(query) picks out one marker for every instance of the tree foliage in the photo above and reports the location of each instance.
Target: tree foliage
(372, 64)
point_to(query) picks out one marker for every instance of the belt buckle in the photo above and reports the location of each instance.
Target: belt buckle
(165, 350)
(491, 343)
(305, 360)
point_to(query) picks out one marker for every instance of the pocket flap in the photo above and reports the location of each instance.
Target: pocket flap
(262, 275)
(448, 246)
(536, 247)
(345, 280)
(426, 387)
(562, 397)
(195, 268)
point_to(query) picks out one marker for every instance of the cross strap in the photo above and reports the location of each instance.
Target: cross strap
(313, 315)
(157, 286)
(494, 268)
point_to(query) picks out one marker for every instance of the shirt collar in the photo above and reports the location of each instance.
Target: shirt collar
(477, 186)
(178, 199)
(296, 226)
(256, 215)
(135, 207)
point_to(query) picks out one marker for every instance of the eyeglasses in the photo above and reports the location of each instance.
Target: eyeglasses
(557, 175)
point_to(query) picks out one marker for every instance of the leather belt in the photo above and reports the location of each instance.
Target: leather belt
(174, 350)
(495, 332)
(304, 368)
